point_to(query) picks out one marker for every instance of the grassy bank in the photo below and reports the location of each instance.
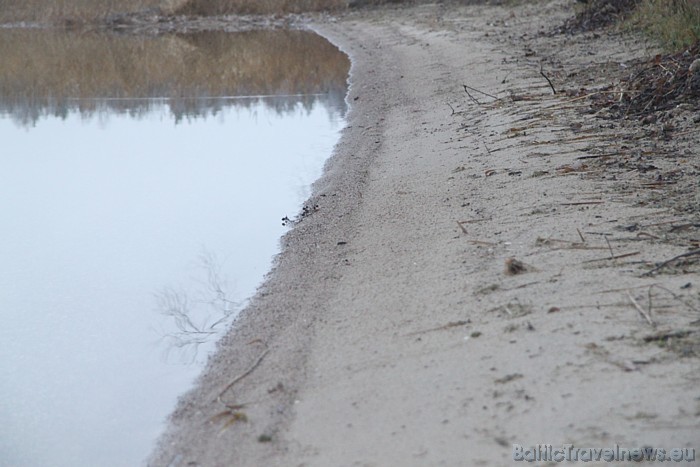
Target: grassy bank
(675, 23)
(53, 11)
(76, 11)
(218, 7)
(58, 11)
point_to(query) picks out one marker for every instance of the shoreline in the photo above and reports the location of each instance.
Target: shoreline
(453, 294)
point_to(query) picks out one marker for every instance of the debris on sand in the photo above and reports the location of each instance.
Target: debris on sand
(514, 267)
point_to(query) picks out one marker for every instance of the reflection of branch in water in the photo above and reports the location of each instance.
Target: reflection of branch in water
(197, 321)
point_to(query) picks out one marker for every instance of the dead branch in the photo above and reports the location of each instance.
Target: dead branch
(461, 226)
(581, 203)
(241, 376)
(471, 221)
(470, 96)
(675, 296)
(597, 156)
(482, 243)
(623, 255)
(554, 91)
(641, 310)
(480, 92)
(612, 255)
(666, 263)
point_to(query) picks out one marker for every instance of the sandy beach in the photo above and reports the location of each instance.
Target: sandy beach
(469, 275)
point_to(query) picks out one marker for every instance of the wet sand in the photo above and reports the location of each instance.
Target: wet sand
(451, 292)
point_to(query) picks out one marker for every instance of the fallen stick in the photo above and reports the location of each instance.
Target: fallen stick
(624, 255)
(470, 96)
(471, 221)
(579, 203)
(462, 227)
(481, 242)
(241, 376)
(676, 297)
(480, 92)
(554, 91)
(641, 311)
(597, 156)
(666, 263)
(623, 289)
(612, 255)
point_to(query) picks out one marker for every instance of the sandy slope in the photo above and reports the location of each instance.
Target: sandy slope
(391, 334)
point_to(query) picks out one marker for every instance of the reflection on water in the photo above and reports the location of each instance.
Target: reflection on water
(200, 315)
(45, 72)
(142, 204)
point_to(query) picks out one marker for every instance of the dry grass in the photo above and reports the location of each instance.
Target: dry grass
(73, 12)
(68, 10)
(675, 23)
(76, 11)
(208, 7)
(45, 70)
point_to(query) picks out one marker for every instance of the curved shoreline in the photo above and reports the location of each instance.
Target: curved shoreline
(275, 325)
(394, 328)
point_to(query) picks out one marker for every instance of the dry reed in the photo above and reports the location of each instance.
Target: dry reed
(45, 68)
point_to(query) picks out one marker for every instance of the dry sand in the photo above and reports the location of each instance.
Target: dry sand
(454, 292)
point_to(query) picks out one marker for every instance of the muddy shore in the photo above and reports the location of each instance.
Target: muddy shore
(467, 278)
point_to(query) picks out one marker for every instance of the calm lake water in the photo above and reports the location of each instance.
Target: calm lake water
(141, 198)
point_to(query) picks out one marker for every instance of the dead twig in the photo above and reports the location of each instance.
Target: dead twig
(647, 234)
(466, 88)
(581, 203)
(461, 226)
(675, 296)
(575, 246)
(624, 255)
(482, 243)
(623, 289)
(554, 91)
(470, 96)
(451, 324)
(666, 263)
(612, 255)
(665, 336)
(471, 221)
(597, 156)
(641, 310)
(240, 377)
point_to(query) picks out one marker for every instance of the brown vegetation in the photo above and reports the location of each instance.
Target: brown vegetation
(75, 12)
(207, 7)
(659, 84)
(674, 23)
(45, 69)
(70, 11)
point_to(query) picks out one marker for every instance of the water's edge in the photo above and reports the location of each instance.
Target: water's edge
(271, 315)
